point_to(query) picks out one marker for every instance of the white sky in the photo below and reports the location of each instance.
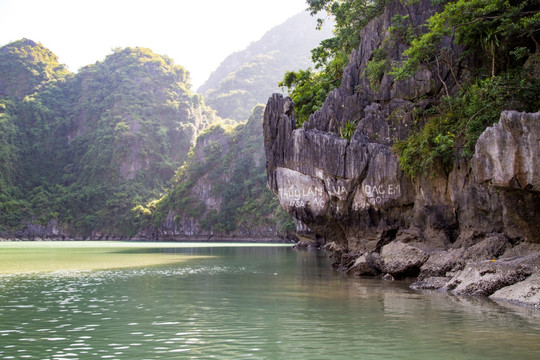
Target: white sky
(197, 34)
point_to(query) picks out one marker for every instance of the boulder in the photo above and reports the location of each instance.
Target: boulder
(485, 277)
(491, 248)
(524, 292)
(363, 265)
(442, 262)
(402, 260)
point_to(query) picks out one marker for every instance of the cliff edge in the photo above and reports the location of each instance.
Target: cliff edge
(473, 231)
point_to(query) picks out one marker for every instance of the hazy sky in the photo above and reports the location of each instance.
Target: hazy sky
(197, 34)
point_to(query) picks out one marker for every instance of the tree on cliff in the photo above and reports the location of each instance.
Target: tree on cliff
(309, 88)
(499, 71)
(490, 48)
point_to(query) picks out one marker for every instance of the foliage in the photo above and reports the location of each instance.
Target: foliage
(506, 32)
(376, 67)
(229, 161)
(309, 88)
(499, 26)
(452, 128)
(402, 29)
(347, 131)
(350, 17)
(86, 149)
(26, 65)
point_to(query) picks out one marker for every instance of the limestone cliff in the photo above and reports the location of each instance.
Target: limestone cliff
(353, 194)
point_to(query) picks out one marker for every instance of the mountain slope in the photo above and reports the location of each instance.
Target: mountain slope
(24, 66)
(87, 148)
(220, 191)
(247, 77)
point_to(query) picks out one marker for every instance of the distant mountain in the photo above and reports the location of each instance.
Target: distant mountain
(24, 66)
(82, 150)
(249, 77)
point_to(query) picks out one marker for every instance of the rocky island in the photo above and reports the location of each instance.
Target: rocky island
(468, 223)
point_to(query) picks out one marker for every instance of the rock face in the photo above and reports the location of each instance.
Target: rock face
(220, 192)
(354, 194)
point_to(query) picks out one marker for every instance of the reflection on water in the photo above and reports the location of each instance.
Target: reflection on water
(257, 303)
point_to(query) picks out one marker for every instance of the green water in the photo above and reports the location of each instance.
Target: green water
(220, 302)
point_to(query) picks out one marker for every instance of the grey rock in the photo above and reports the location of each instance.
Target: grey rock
(491, 248)
(430, 283)
(521, 249)
(374, 261)
(507, 159)
(486, 277)
(524, 292)
(442, 262)
(305, 244)
(401, 260)
(507, 153)
(363, 265)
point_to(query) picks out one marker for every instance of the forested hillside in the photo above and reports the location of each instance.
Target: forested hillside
(83, 149)
(246, 78)
(221, 190)
(110, 151)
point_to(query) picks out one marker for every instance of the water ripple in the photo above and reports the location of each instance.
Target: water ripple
(237, 307)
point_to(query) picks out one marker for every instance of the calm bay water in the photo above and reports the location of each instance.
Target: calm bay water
(224, 302)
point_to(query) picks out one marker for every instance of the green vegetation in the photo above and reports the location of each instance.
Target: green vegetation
(504, 76)
(85, 149)
(309, 88)
(347, 131)
(25, 66)
(96, 151)
(376, 67)
(230, 162)
(452, 128)
(505, 31)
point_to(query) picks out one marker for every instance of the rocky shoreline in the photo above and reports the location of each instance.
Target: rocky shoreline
(473, 234)
(472, 230)
(493, 268)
